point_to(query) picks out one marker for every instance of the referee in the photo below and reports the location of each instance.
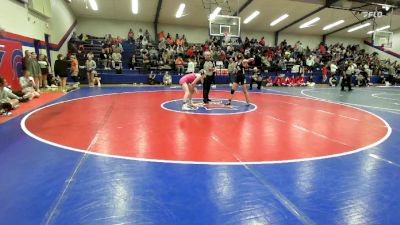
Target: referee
(208, 67)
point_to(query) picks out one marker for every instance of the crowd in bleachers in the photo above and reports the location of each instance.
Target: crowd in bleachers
(176, 54)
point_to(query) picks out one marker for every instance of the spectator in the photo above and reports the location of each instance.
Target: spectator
(161, 36)
(96, 79)
(132, 62)
(27, 61)
(89, 55)
(147, 35)
(179, 41)
(116, 62)
(153, 54)
(324, 73)
(333, 81)
(131, 37)
(90, 70)
(152, 79)
(167, 79)
(179, 65)
(310, 63)
(60, 70)
(191, 66)
(140, 35)
(27, 84)
(291, 81)
(170, 40)
(262, 42)
(256, 78)
(231, 71)
(145, 42)
(146, 60)
(190, 51)
(44, 69)
(74, 69)
(8, 100)
(300, 80)
(333, 68)
(105, 59)
(162, 45)
(36, 71)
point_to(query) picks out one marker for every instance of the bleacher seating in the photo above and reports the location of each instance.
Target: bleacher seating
(139, 74)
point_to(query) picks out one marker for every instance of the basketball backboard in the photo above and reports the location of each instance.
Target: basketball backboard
(222, 25)
(383, 38)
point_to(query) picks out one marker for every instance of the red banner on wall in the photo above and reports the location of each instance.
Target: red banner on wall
(11, 62)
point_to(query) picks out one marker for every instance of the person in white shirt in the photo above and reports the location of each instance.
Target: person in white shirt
(367, 69)
(91, 70)
(167, 79)
(347, 74)
(145, 42)
(116, 59)
(190, 66)
(27, 84)
(8, 100)
(333, 68)
(310, 63)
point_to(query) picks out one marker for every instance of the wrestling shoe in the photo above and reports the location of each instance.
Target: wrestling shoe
(186, 107)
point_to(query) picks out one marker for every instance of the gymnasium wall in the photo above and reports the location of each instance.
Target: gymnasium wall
(62, 20)
(101, 27)
(17, 19)
(312, 41)
(345, 40)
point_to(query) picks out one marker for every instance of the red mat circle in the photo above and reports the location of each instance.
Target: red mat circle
(133, 125)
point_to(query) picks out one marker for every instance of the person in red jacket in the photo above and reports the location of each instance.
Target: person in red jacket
(324, 73)
(277, 81)
(268, 81)
(284, 80)
(300, 80)
(262, 42)
(292, 81)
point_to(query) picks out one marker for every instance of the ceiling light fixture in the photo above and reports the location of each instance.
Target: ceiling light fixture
(382, 28)
(180, 10)
(379, 29)
(284, 16)
(309, 23)
(215, 13)
(327, 27)
(93, 5)
(359, 27)
(251, 17)
(135, 6)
